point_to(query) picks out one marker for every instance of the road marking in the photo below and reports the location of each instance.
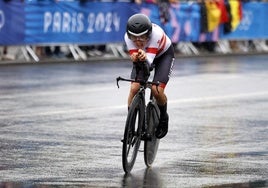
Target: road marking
(94, 110)
(222, 97)
(57, 91)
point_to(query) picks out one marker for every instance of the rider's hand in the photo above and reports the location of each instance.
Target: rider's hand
(142, 55)
(134, 57)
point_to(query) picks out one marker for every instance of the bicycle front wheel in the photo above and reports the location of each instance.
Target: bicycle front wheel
(132, 134)
(151, 146)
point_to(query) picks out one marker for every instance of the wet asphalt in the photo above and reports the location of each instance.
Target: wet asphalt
(61, 125)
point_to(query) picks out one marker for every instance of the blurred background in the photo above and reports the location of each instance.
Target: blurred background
(62, 30)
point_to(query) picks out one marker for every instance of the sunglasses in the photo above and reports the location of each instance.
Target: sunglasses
(141, 38)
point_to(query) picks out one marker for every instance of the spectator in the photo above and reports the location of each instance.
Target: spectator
(53, 52)
(7, 56)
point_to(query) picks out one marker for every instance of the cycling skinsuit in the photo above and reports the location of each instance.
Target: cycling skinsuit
(159, 52)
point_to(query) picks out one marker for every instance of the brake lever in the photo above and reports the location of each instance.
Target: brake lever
(117, 81)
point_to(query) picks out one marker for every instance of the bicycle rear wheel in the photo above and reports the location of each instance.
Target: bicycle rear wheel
(151, 146)
(132, 134)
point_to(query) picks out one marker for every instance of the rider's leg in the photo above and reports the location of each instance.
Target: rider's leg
(163, 70)
(161, 99)
(159, 95)
(134, 88)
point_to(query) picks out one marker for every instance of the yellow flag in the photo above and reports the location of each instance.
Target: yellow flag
(236, 13)
(213, 15)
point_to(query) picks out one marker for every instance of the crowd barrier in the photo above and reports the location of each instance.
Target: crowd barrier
(74, 23)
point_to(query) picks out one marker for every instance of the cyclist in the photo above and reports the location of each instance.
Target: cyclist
(147, 43)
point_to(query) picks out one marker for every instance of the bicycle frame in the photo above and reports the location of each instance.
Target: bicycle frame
(147, 118)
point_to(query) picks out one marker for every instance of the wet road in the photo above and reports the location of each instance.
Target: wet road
(61, 124)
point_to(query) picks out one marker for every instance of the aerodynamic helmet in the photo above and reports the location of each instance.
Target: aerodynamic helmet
(138, 25)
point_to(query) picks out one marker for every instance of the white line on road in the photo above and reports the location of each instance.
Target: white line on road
(221, 97)
(57, 92)
(114, 107)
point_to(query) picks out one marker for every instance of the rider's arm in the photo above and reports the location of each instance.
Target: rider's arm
(158, 43)
(133, 51)
(142, 55)
(134, 57)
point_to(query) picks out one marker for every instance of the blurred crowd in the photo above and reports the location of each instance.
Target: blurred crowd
(110, 50)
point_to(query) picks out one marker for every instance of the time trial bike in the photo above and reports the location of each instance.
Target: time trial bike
(141, 124)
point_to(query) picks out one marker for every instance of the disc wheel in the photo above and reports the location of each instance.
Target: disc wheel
(151, 146)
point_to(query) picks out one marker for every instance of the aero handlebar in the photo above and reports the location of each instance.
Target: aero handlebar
(142, 82)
